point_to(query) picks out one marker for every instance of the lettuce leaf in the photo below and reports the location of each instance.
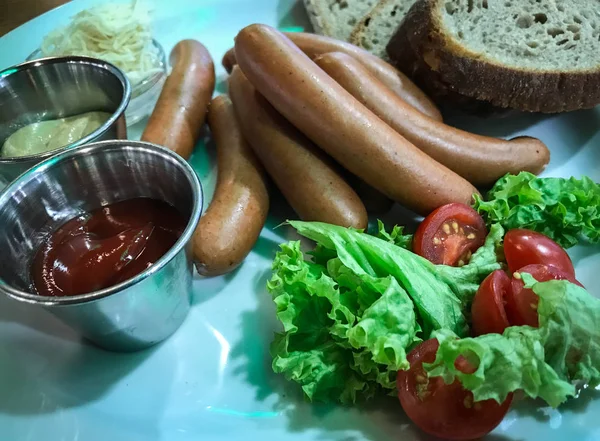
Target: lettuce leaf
(565, 210)
(569, 324)
(506, 363)
(437, 305)
(388, 327)
(308, 305)
(544, 362)
(325, 347)
(324, 371)
(397, 236)
(352, 314)
(465, 280)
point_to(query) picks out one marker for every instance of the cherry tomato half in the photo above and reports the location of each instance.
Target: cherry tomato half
(526, 247)
(487, 311)
(522, 303)
(450, 234)
(444, 410)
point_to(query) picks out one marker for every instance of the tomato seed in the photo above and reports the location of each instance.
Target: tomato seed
(468, 401)
(534, 306)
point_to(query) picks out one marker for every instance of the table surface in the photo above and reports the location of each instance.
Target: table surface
(14, 13)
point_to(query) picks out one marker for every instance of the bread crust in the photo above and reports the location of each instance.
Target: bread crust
(444, 69)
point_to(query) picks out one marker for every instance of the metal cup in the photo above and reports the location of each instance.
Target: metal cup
(141, 311)
(58, 87)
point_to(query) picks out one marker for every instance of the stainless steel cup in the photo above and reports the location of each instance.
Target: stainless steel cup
(57, 87)
(136, 313)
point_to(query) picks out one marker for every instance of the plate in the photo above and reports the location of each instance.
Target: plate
(212, 380)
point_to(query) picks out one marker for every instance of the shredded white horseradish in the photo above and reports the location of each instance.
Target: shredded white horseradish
(115, 32)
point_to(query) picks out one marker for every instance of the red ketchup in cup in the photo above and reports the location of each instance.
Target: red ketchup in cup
(105, 247)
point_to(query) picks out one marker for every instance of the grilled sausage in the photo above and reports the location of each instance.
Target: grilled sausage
(304, 174)
(229, 60)
(180, 111)
(236, 215)
(342, 126)
(479, 159)
(314, 45)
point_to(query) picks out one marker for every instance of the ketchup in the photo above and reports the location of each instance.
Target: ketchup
(105, 247)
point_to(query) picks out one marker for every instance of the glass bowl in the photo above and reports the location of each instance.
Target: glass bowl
(144, 94)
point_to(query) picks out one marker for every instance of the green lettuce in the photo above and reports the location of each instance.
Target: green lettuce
(388, 326)
(324, 340)
(544, 362)
(565, 210)
(355, 305)
(465, 280)
(324, 371)
(352, 313)
(569, 318)
(506, 363)
(437, 305)
(397, 236)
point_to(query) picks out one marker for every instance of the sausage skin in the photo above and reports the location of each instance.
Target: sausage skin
(304, 174)
(339, 124)
(178, 117)
(229, 60)
(238, 211)
(479, 159)
(314, 45)
(374, 201)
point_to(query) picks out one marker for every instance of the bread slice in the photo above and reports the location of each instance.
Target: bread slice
(530, 55)
(377, 28)
(337, 18)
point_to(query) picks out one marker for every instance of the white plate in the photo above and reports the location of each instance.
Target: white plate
(212, 380)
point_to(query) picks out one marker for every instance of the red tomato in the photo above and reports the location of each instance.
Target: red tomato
(522, 303)
(444, 410)
(526, 247)
(450, 234)
(487, 311)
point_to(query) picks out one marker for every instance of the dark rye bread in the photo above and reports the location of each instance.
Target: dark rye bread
(377, 27)
(337, 18)
(516, 69)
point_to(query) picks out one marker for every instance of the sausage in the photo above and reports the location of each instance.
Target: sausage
(339, 124)
(180, 112)
(314, 45)
(374, 200)
(238, 211)
(229, 60)
(303, 173)
(479, 159)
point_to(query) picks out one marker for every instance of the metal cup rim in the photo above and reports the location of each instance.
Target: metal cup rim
(140, 88)
(41, 167)
(73, 59)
